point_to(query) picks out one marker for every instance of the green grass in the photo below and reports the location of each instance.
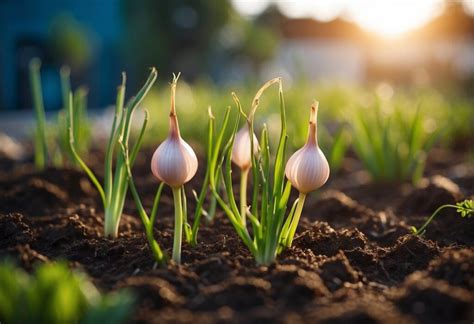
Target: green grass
(392, 145)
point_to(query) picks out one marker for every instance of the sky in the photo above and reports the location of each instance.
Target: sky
(389, 18)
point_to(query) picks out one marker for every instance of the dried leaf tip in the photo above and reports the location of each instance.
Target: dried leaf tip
(209, 112)
(174, 126)
(314, 112)
(313, 127)
(173, 94)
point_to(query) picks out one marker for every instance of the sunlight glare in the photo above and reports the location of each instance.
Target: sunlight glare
(320, 10)
(389, 18)
(393, 18)
(250, 7)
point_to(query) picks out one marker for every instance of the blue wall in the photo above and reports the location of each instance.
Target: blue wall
(29, 21)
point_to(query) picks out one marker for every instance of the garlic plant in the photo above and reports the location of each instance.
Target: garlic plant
(270, 191)
(175, 163)
(307, 170)
(242, 157)
(114, 189)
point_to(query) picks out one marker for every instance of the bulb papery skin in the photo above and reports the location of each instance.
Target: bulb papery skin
(241, 149)
(174, 162)
(307, 169)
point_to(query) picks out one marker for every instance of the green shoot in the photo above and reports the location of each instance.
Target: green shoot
(81, 123)
(53, 145)
(41, 153)
(464, 208)
(148, 221)
(192, 232)
(114, 189)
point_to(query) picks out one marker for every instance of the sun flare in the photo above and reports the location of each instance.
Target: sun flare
(392, 19)
(388, 18)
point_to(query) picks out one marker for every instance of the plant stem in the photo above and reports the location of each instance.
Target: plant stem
(110, 225)
(178, 225)
(40, 133)
(243, 195)
(422, 228)
(296, 219)
(148, 223)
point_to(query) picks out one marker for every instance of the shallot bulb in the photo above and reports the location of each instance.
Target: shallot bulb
(307, 169)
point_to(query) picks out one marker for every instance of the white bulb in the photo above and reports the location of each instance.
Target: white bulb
(174, 161)
(308, 169)
(241, 149)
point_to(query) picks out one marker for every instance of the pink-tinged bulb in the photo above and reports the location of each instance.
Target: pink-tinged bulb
(308, 169)
(174, 161)
(241, 149)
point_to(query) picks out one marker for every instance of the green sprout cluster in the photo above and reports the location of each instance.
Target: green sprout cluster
(392, 148)
(52, 139)
(270, 193)
(53, 294)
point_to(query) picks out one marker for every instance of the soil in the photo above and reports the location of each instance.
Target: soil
(354, 259)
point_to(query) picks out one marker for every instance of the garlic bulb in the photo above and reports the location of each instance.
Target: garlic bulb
(241, 149)
(307, 169)
(174, 161)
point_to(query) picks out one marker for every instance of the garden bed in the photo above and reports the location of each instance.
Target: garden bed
(353, 258)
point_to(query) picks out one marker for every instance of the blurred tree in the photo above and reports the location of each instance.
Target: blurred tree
(195, 37)
(173, 35)
(70, 42)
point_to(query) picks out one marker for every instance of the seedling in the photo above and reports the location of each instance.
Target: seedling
(148, 221)
(82, 132)
(192, 232)
(41, 150)
(271, 233)
(464, 208)
(115, 186)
